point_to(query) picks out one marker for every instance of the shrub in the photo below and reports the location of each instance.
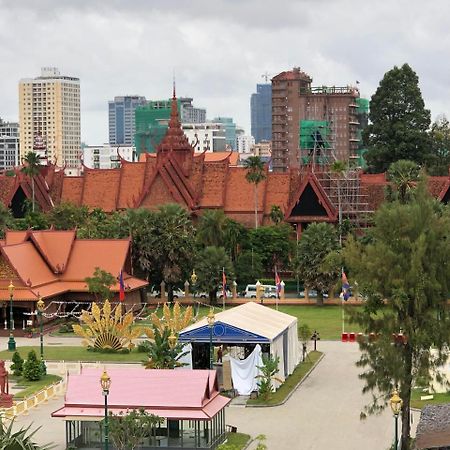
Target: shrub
(144, 347)
(17, 365)
(32, 369)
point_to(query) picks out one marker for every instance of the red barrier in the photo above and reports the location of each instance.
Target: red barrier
(351, 337)
(344, 337)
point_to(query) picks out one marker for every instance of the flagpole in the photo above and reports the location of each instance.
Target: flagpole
(224, 288)
(342, 304)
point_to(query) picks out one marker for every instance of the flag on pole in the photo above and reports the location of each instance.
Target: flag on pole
(121, 287)
(224, 284)
(277, 282)
(346, 292)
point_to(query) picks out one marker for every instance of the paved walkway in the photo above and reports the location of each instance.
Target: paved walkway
(323, 414)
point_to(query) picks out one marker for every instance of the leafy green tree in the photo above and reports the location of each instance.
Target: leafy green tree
(276, 215)
(32, 370)
(31, 168)
(269, 370)
(100, 284)
(439, 161)
(128, 430)
(210, 263)
(255, 174)
(21, 439)
(211, 228)
(316, 262)
(248, 268)
(404, 273)
(6, 219)
(164, 245)
(399, 121)
(68, 216)
(17, 364)
(235, 234)
(404, 175)
(273, 244)
(161, 355)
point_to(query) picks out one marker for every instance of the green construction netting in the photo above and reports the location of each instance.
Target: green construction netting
(314, 133)
(363, 105)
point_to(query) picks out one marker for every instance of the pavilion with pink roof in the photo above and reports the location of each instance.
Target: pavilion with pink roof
(187, 400)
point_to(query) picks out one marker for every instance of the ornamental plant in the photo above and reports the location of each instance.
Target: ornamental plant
(17, 364)
(32, 369)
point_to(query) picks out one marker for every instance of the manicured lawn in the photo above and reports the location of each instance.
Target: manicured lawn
(30, 387)
(327, 320)
(59, 353)
(438, 399)
(237, 439)
(291, 382)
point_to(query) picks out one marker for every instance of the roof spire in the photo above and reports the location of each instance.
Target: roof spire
(174, 93)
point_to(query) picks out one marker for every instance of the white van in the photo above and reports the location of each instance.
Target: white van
(269, 291)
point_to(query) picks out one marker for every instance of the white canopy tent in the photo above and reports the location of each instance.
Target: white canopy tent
(252, 323)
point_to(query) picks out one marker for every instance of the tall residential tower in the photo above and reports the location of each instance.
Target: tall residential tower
(312, 122)
(121, 119)
(49, 118)
(261, 113)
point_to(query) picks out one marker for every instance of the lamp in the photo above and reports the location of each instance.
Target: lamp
(211, 319)
(105, 383)
(194, 277)
(40, 305)
(396, 406)
(11, 340)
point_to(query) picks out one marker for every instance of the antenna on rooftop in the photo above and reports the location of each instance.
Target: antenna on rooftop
(266, 76)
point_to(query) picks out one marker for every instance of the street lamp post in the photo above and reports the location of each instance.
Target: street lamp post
(40, 308)
(211, 319)
(105, 383)
(396, 405)
(11, 341)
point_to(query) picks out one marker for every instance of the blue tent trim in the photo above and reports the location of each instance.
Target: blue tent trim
(222, 333)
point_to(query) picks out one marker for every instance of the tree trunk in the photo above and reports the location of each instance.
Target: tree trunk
(405, 394)
(256, 206)
(170, 293)
(319, 299)
(213, 297)
(32, 193)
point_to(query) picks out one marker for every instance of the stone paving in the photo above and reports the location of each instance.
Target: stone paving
(322, 414)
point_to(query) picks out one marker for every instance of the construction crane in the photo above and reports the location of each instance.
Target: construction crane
(266, 76)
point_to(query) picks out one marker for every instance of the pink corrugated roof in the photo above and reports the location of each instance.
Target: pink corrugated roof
(168, 393)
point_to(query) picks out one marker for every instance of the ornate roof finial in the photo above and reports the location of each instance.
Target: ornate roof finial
(174, 93)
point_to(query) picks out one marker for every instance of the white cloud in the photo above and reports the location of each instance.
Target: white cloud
(218, 49)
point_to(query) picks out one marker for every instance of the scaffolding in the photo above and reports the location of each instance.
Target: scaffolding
(315, 142)
(345, 192)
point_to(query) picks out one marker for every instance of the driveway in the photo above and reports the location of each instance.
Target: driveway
(323, 413)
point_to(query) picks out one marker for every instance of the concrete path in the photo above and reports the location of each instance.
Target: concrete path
(323, 413)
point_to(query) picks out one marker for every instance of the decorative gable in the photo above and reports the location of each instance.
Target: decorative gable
(222, 333)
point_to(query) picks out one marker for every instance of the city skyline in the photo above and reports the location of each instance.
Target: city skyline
(217, 52)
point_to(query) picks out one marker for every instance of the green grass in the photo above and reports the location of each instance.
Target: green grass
(290, 383)
(327, 320)
(238, 440)
(32, 387)
(438, 399)
(72, 353)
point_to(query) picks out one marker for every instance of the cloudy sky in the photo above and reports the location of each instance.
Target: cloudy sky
(218, 49)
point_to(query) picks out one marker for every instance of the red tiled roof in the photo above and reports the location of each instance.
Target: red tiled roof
(72, 190)
(15, 237)
(132, 181)
(277, 191)
(54, 246)
(214, 184)
(101, 188)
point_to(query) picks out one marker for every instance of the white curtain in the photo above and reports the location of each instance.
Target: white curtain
(186, 360)
(244, 372)
(293, 347)
(276, 349)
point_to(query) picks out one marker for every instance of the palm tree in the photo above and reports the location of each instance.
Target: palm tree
(31, 168)
(255, 174)
(19, 440)
(405, 175)
(276, 214)
(211, 227)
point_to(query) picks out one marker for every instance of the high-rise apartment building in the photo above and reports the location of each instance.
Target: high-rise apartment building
(312, 122)
(107, 156)
(189, 113)
(9, 144)
(49, 118)
(230, 131)
(121, 118)
(261, 113)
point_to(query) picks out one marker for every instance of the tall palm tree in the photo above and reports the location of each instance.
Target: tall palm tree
(31, 168)
(211, 228)
(404, 174)
(255, 174)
